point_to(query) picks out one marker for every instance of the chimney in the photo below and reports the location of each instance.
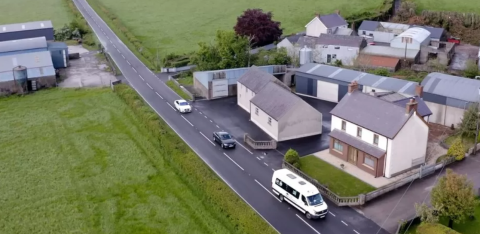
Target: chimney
(316, 14)
(352, 87)
(411, 105)
(373, 92)
(337, 11)
(419, 91)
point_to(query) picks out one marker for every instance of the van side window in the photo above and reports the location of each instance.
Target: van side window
(295, 193)
(281, 184)
(304, 200)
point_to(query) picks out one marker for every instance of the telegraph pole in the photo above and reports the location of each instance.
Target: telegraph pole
(476, 132)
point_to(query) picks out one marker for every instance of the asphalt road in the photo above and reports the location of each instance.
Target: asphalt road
(240, 168)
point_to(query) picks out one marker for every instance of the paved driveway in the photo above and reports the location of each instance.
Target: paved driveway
(379, 209)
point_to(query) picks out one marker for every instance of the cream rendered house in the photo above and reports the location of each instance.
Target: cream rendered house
(326, 24)
(275, 109)
(376, 135)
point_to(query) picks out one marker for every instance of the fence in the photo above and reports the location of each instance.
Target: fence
(110, 61)
(177, 69)
(363, 198)
(192, 97)
(259, 144)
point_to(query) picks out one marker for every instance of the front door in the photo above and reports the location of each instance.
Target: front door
(352, 155)
(329, 58)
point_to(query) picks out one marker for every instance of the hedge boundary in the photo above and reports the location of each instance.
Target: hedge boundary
(383, 13)
(88, 39)
(193, 171)
(127, 37)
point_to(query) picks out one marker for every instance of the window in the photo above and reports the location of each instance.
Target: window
(370, 34)
(281, 184)
(359, 132)
(294, 193)
(334, 56)
(369, 161)
(375, 139)
(269, 121)
(337, 145)
(337, 47)
(363, 32)
(344, 125)
(256, 111)
(304, 200)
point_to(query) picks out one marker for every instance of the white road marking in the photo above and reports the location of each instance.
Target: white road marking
(110, 41)
(141, 77)
(149, 86)
(243, 146)
(344, 223)
(159, 95)
(331, 213)
(123, 56)
(232, 161)
(356, 231)
(114, 46)
(205, 116)
(273, 169)
(118, 51)
(187, 120)
(200, 112)
(134, 70)
(268, 191)
(265, 164)
(258, 158)
(207, 139)
(129, 63)
(211, 121)
(171, 106)
(108, 38)
(307, 224)
(217, 126)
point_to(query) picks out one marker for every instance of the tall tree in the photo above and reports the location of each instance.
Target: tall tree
(259, 25)
(277, 56)
(207, 57)
(453, 197)
(468, 126)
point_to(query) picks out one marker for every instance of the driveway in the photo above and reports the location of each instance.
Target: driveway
(235, 120)
(385, 208)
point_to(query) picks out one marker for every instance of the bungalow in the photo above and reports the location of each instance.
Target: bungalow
(378, 136)
(275, 109)
(326, 24)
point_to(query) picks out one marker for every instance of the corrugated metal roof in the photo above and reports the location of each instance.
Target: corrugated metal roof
(232, 75)
(275, 100)
(394, 26)
(418, 34)
(23, 44)
(422, 107)
(374, 114)
(57, 45)
(25, 26)
(332, 20)
(30, 60)
(370, 149)
(368, 25)
(332, 39)
(452, 86)
(346, 75)
(388, 51)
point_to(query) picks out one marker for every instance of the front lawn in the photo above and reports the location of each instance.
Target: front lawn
(338, 181)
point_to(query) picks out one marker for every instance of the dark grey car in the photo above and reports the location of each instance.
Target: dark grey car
(224, 139)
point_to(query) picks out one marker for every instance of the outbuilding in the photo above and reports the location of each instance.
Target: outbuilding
(59, 52)
(19, 31)
(449, 96)
(412, 38)
(330, 83)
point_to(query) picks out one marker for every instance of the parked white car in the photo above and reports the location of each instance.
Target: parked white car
(183, 106)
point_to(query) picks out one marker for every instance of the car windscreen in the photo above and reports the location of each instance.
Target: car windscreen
(226, 137)
(183, 103)
(315, 199)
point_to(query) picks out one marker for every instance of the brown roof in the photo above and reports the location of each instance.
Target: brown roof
(377, 61)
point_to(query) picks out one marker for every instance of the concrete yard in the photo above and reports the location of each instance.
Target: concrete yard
(463, 53)
(87, 71)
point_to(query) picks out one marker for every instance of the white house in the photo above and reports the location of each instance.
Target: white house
(289, 43)
(275, 109)
(376, 135)
(327, 24)
(449, 96)
(328, 48)
(412, 39)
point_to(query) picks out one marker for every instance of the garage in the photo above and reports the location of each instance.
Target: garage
(219, 88)
(327, 91)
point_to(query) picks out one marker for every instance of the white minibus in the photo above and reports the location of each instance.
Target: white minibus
(299, 193)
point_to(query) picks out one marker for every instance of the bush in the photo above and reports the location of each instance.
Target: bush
(435, 228)
(292, 157)
(457, 149)
(381, 72)
(471, 70)
(192, 169)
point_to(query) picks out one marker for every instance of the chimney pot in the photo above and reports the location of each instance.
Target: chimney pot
(337, 11)
(411, 105)
(352, 87)
(419, 91)
(317, 14)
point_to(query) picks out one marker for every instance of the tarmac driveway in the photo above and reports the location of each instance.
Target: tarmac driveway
(232, 118)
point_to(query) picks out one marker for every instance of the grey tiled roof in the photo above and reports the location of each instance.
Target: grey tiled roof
(369, 25)
(341, 40)
(389, 96)
(294, 38)
(256, 79)
(422, 107)
(332, 20)
(435, 33)
(275, 100)
(359, 144)
(374, 114)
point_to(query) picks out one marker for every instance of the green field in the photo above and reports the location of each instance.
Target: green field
(80, 161)
(338, 181)
(448, 5)
(178, 26)
(19, 11)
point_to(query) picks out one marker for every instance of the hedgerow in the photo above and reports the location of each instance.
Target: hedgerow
(193, 170)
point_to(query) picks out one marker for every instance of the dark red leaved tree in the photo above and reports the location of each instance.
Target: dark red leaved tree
(259, 26)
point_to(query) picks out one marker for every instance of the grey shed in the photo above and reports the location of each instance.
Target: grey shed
(23, 44)
(19, 31)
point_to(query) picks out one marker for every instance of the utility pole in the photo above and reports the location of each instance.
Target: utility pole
(250, 39)
(476, 132)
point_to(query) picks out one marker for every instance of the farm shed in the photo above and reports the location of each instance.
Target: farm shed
(223, 83)
(59, 52)
(38, 70)
(412, 38)
(330, 83)
(375, 62)
(22, 46)
(449, 96)
(19, 31)
(386, 51)
(381, 31)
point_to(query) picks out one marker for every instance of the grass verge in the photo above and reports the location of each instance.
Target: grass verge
(338, 181)
(88, 164)
(468, 142)
(177, 90)
(185, 80)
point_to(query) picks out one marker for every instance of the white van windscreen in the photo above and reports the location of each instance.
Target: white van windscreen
(315, 200)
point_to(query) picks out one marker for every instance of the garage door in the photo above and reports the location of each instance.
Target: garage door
(327, 91)
(219, 88)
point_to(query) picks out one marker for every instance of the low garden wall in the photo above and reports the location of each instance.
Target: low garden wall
(173, 78)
